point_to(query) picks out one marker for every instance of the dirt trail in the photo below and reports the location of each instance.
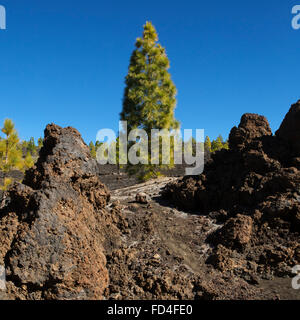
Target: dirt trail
(181, 233)
(152, 188)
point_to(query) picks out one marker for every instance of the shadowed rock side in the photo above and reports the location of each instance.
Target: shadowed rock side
(253, 191)
(51, 225)
(289, 130)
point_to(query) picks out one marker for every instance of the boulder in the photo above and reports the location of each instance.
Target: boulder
(142, 198)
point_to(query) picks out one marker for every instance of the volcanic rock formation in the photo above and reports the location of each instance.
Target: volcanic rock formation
(253, 191)
(62, 239)
(51, 225)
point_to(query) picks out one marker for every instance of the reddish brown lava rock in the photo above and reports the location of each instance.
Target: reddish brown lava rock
(251, 126)
(236, 232)
(60, 239)
(255, 188)
(50, 226)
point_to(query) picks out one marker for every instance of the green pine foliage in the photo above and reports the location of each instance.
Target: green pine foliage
(150, 94)
(98, 144)
(215, 145)
(92, 149)
(10, 149)
(7, 182)
(40, 143)
(28, 161)
(15, 154)
(31, 147)
(226, 145)
(207, 144)
(120, 156)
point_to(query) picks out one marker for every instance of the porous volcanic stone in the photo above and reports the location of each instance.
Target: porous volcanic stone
(50, 225)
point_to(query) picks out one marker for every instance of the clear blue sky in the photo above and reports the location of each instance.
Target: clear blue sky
(65, 61)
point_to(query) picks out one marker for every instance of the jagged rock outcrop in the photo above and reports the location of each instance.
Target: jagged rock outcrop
(51, 225)
(289, 130)
(254, 188)
(251, 126)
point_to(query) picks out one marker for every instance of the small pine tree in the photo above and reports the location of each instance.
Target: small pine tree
(28, 161)
(221, 138)
(226, 145)
(98, 144)
(92, 149)
(10, 150)
(120, 156)
(31, 147)
(207, 144)
(190, 146)
(217, 145)
(40, 142)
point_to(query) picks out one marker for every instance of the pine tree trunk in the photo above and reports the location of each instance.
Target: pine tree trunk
(6, 152)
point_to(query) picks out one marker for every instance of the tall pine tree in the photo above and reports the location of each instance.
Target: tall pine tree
(150, 94)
